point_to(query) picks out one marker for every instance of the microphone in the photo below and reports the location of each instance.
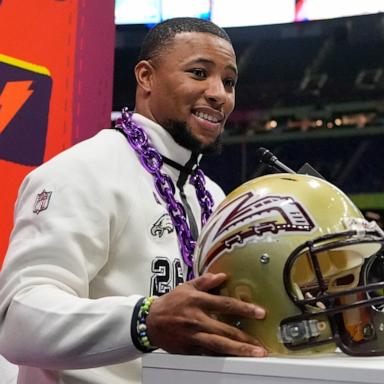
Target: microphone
(267, 157)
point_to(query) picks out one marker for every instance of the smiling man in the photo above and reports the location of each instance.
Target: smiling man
(104, 272)
(187, 85)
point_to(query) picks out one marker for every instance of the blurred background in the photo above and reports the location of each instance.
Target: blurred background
(311, 86)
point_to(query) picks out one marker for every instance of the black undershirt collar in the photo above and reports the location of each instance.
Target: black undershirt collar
(187, 168)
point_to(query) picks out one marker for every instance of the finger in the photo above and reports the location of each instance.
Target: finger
(217, 327)
(223, 304)
(208, 281)
(229, 306)
(196, 321)
(217, 344)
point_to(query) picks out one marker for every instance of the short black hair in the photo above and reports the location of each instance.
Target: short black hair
(163, 34)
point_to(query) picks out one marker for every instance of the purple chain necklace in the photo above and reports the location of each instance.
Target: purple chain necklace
(152, 161)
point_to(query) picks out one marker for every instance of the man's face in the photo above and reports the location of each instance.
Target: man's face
(193, 88)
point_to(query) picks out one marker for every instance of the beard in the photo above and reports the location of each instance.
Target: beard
(183, 136)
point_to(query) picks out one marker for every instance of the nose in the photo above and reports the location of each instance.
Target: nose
(215, 92)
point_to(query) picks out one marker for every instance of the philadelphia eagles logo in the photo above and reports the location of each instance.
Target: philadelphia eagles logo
(162, 225)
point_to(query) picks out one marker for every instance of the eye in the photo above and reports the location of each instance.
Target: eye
(229, 83)
(199, 73)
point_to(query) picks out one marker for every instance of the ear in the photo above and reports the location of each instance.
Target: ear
(144, 75)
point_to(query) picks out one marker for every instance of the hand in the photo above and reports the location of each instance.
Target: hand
(183, 321)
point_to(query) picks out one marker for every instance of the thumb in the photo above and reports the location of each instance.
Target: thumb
(208, 281)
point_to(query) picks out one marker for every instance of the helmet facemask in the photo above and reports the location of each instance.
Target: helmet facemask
(328, 279)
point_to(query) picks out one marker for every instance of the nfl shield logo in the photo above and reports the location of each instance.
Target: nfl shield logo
(42, 201)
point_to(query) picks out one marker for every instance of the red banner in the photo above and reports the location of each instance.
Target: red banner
(56, 73)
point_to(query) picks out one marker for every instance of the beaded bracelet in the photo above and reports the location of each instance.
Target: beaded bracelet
(141, 324)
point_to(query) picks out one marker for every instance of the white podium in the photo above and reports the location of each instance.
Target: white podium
(163, 368)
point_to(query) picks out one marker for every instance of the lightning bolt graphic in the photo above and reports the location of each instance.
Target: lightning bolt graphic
(12, 98)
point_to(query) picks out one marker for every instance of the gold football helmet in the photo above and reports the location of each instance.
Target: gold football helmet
(297, 246)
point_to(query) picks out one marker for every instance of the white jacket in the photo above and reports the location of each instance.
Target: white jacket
(91, 237)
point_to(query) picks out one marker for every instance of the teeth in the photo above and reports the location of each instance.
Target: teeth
(205, 116)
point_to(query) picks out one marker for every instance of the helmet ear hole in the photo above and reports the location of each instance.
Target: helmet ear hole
(243, 292)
